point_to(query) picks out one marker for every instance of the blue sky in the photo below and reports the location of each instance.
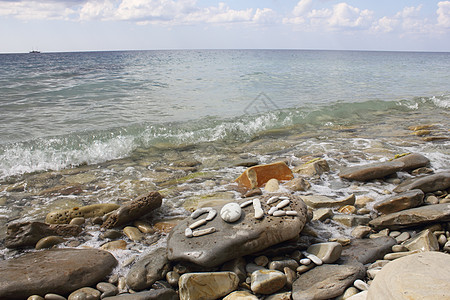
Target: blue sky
(87, 25)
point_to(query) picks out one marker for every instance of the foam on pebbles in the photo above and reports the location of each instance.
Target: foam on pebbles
(231, 212)
(259, 213)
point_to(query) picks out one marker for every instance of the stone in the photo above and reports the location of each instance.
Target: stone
(272, 186)
(133, 233)
(261, 260)
(35, 297)
(85, 293)
(419, 276)
(267, 281)
(144, 227)
(240, 295)
(313, 168)
(366, 251)
(236, 266)
(432, 200)
(402, 201)
(361, 231)
(134, 209)
(326, 281)
(257, 176)
(402, 237)
(207, 285)
(360, 296)
(148, 269)
(280, 296)
(382, 169)
(362, 201)
(428, 183)
(297, 185)
(399, 248)
(361, 285)
(58, 271)
(48, 242)
(19, 235)
(322, 214)
(114, 245)
(107, 289)
(291, 276)
(64, 216)
(348, 293)
(279, 265)
(351, 220)
(327, 252)
(51, 296)
(231, 212)
(158, 294)
(447, 246)
(413, 217)
(424, 241)
(371, 171)
(319, 201)
(243, 237)
(77, 221)
(347, 209)
(397, 255)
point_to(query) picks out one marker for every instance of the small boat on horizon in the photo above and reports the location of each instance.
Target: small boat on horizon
(35, 51)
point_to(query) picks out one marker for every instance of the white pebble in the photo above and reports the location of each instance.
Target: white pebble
(361, 285)
(305, 261)
(291, 213)
(272, 200)
(313, 258)
(231, 212)
(188, 232)
(211, 215)
(283, 204)
(204, 231)
(246, 203)
(272, 210)
(283, 198)
(259, 213)
(279, 213)
(198, 223)
(200, 211)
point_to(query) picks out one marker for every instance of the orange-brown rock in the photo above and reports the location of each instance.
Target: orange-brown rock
(257, 176)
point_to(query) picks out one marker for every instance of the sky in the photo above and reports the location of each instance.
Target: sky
(97, 25)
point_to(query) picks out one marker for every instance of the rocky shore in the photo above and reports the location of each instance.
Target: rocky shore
(274, 231)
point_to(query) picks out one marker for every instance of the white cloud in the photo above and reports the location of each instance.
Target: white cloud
(33, 10)
(406, 21)
(302, 7)
(340, 16)
(265, 16)
(443, 13)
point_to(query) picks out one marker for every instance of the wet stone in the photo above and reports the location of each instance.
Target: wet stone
(49, 242)
(267, 281)
(85, 293)
(281, 264)
(107, 289)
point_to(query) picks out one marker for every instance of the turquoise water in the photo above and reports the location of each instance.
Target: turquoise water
(65, 109)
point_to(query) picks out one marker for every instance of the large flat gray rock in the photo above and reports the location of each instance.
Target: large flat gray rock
(366, 251)
(413, 217)
(416, 276)
(59, 271)
(405, 200)
(429, 183)
(326, 281)
(382, 169)
(245, 236)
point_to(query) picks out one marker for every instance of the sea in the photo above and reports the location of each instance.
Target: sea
(92, 127)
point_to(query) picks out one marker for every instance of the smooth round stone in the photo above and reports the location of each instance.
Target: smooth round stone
(85, 293)
(240, 295)
(77, 221)
(107, 289)
(231, 212)
(48, 242)
(133, 233)
(54, 297)
(114, 245)
(267, 281)
(305, 261)
(172, 278)
(261, 261)
(35, 297)
(144, 227)
(399, 248)
(361, 285)
(111, 234)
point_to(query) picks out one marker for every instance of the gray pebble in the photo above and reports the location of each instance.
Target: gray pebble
(52, 296)
(107, 289)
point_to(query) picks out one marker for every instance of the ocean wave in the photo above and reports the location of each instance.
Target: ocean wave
(58, 152)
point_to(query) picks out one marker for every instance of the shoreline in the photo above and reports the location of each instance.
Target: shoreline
(202, 175)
